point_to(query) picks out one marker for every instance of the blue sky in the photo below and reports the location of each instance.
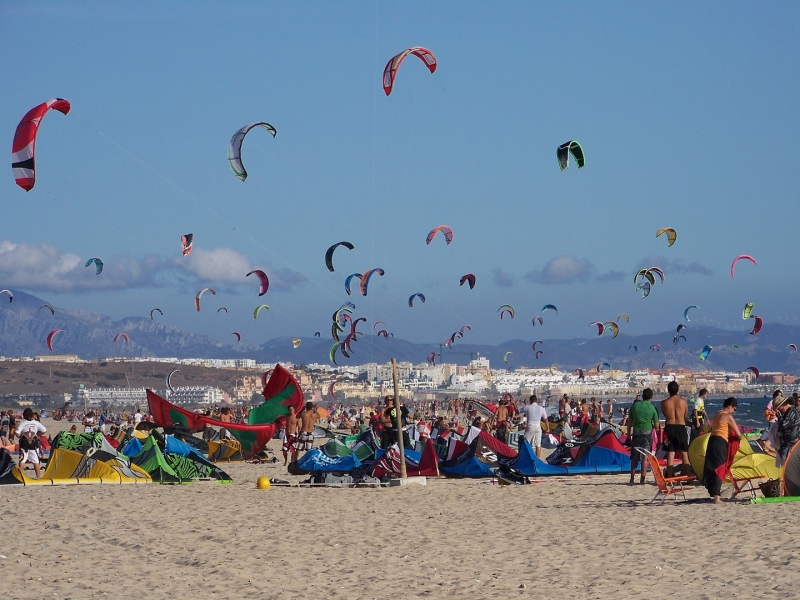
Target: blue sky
(687, 114)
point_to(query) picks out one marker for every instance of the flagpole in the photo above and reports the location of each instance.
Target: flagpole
(399, 417)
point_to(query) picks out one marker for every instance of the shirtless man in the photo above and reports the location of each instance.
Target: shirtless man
(674, 410)
(290, 436)
(305, 441)
(501, 421)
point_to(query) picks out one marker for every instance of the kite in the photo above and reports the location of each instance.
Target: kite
(627, 317)
(704, 352)
(238, 336)
(329, 253)
(534, 344)
(463, 328)
(316, 334)
(50, 337)
(330, 390)
(199, 294)
(540, 319)
(159, 311)
(235, 147)
(614, 327)
(446, 232)
(348, 280)
(748, 309)
(677, 338)
(680, 328)
(10, 295)
(332, 352)
(580, 374)
(263, 280)
(656, 347)
(734, 346)
(757, 326)
(671, 235)
(23, 147)
(296, 342)
(686, 312)
(742, 257)
(375, 325)
(123, 336)
(186, 243)
(600, 327)
(411, 299)
(52, 310)
(549, 307)
(602, 366)
(97, 263)
(366, 277)
(469, 278)
(793, 347)
(754, 370)
(506, 308)
(223, 308)
(645, 287)
(553, 368)
(169, 379)
(390, 71)
(385, 333)
(505, 356)
(538, 354)
(432, 357)
(634, 346)
(258, 310)
(567, 148)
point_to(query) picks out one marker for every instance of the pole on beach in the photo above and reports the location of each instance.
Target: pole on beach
(399, 417)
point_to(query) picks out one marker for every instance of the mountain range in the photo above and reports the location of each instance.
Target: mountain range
(25, 323)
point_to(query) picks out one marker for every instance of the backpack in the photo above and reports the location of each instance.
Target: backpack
(29, 441)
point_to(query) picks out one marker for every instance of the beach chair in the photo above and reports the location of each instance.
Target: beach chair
(744, 486)
(667, 486)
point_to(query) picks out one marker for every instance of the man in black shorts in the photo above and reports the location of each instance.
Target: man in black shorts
(674, 410)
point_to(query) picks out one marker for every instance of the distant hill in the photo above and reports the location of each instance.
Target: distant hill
(23, 328)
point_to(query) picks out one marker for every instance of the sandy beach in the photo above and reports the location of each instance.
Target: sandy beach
(582, 537)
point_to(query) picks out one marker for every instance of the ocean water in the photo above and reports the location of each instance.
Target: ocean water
(749, 412)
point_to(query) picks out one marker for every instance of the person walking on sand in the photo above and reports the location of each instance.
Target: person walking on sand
(642, 419)
(308, 418)
(674, 409)
(722, 425)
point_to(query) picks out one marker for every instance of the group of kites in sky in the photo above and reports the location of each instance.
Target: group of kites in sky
(24, 169)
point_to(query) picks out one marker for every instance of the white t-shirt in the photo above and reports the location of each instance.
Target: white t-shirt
(137, 418)
(34, 426)
(535, 415)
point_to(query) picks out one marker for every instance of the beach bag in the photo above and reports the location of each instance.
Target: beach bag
(770, 488)
(29, 441)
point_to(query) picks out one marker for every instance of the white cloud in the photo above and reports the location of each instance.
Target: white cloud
(561, 270)
(227, 265)
(42, 267)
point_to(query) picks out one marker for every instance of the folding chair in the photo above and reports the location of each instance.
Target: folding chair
(667, 486)
(744, 486)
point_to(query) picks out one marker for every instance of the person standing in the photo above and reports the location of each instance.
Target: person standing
(308, 418)
(722, 426)
(28, 431)
(501, 421)
(788, 427)
(697, 413)
(290, 430)
(675, 409)
(610, 410)
(535, 414)
(642, 420)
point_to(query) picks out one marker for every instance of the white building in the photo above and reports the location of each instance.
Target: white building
(192, 395)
